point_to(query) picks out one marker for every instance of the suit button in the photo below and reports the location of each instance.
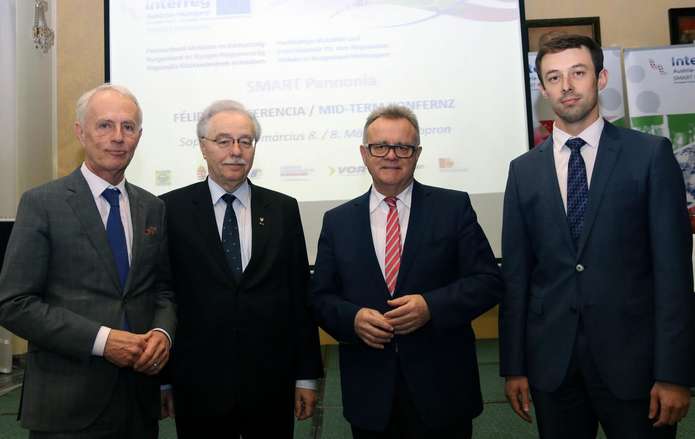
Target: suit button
(580, 268)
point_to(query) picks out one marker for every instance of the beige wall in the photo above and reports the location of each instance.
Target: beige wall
(80, 50)
(624, 23)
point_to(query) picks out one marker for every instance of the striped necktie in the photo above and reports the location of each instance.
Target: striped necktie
(392, 262)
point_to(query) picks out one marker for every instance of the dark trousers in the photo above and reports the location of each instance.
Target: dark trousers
(406, 423)
(123, 417)
(273, 420)
(574, 410)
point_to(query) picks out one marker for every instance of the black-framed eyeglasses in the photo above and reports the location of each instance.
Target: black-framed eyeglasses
(225, 142)
(382, 150)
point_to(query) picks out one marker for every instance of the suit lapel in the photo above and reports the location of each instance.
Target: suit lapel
(82, 203)
(557, 207)
(138, 216)
(606, 158)
(204, 219)
(262, 224)
(416, 224)
(365, 242)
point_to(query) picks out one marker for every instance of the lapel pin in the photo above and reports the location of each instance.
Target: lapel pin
(261, 221)
(151, 231)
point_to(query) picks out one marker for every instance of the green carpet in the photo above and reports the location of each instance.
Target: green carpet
(497, 421)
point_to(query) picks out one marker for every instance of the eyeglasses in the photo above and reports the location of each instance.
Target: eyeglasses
(382, 150)
(226, 142)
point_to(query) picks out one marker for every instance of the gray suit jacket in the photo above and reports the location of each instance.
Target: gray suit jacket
(59, 285)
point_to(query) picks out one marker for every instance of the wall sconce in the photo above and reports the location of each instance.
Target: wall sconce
(43, 35)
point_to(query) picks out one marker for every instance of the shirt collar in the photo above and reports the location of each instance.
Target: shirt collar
(242, 193)
(591, 135)
(97, 185)
(376, 198)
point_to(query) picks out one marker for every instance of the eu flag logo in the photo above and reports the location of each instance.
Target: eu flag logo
(233, 7)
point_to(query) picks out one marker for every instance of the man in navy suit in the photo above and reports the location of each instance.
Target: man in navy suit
(400, 273)
(597, 318)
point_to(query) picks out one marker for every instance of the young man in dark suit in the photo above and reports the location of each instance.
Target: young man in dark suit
(597, 320)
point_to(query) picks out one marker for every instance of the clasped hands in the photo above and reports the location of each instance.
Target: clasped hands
(409, 313)
(146, 353)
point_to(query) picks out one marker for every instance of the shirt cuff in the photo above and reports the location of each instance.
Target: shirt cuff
(165, 333)
(100, 341)
(307, 384)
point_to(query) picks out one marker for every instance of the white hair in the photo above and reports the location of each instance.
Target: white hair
(83, 101)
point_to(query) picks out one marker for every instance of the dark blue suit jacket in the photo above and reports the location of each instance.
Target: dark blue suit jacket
(447, 258)
(630, 276)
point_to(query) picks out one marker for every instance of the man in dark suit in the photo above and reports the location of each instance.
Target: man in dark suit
(400, 273)
(85, 281)
(247, 352)
(597, 318)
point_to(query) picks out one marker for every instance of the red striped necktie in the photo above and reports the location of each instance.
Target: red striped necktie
(393, 245)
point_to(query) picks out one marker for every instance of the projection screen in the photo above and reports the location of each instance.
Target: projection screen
(311, 71)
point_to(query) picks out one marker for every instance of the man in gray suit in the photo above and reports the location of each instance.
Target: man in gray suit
(86, 282)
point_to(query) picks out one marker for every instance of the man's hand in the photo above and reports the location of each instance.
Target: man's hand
(371, 326)
(124, 348)
(304, 403)
(670, 402)
(409, 314)
(155, 355)
(517, 392)
(167, 404)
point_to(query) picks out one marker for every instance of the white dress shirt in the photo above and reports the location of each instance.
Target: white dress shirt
(378, 213)
(97, 185)
(561, 152)
(242, 210)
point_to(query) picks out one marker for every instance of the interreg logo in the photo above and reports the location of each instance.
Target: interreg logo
(683, 61)
(657, 67)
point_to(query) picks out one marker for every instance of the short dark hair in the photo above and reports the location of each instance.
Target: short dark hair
(569, 41)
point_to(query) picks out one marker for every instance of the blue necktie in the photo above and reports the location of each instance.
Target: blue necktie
(116, 234)
(230, 237)
(577, 188)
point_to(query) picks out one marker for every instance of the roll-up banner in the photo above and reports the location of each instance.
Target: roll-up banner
(660, 84)
(611, 100)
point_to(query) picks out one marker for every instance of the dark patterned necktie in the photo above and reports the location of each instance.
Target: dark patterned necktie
(577, 188)
(230, 237)
(116, 234)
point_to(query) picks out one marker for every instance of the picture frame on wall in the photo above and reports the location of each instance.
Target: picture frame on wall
(538, 30)
(681, 23)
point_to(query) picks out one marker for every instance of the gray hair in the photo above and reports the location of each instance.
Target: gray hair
(393, 111)
(83, 101)
(223, 106)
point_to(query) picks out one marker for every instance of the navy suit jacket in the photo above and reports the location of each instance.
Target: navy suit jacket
(630, 276)
(448, 260)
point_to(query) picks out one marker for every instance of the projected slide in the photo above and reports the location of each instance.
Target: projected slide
(312, 70)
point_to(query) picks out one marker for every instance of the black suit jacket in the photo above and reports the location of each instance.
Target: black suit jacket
(448, 260)
(630, 276)
(239, 343)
